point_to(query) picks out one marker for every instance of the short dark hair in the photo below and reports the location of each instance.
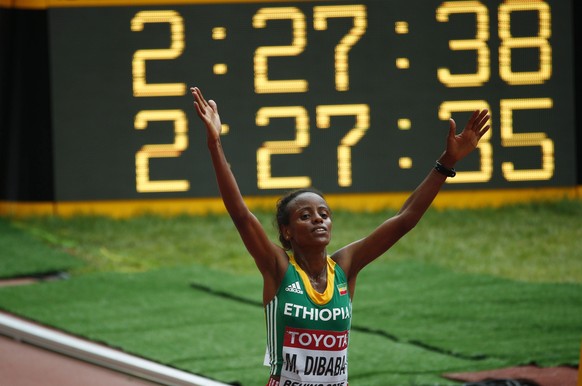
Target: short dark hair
(282, 215)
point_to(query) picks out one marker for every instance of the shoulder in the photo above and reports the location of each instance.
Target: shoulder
(347, 259)
(342, 260)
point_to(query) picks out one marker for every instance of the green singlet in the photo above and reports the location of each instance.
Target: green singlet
(308, 331)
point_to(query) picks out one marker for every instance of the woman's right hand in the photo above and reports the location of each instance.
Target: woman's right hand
(208, 113)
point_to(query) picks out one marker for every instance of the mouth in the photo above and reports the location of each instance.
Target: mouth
(319, 230)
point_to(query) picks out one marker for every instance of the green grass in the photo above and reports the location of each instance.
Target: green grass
(466, 290)
(23, 254)
(143, 243)
(412, 322)
(539, 242)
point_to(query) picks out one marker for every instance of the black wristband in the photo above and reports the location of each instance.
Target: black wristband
(444, 170)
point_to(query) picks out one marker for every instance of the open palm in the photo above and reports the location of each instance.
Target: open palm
(208, 113)
(459, 145)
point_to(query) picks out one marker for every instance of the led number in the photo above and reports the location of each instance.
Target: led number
(262, 82)
(344, 150)
(511, 139)
(478, 44)
(140, 86)
(509, 42)
(356, 12)
(265, 179)
(485, 149)
(143, 156)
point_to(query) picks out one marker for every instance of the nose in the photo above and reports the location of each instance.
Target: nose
(317, 218)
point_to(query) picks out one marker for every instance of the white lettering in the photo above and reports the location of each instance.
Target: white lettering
(293, 335)
(329, 341)
(310, 313)
(297, 309)
(305, 339)
(317, 339)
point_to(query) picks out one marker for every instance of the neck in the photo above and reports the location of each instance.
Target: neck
(314, 265)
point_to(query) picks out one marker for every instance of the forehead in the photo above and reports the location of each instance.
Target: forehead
(307, 200)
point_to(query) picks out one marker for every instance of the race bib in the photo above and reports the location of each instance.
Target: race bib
(314, 358)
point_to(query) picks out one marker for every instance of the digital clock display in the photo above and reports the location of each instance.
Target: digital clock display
(345, 96)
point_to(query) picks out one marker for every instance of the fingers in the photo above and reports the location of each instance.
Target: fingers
(213, 105)
(483, 131)
(479, 124)
(480, 118)
(483, 127)
(201, 105)
(198, 97)
(452, 127)
(197, 102)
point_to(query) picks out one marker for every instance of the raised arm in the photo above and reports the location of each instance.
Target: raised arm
(267, 255)
(357, 255)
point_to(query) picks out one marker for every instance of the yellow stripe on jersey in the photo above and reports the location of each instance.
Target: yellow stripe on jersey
(317, 297)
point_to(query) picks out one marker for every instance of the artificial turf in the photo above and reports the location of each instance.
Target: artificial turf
(22, 254)
(467, 290)
(412, 322)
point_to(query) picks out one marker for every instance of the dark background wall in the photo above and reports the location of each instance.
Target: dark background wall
(26, 171)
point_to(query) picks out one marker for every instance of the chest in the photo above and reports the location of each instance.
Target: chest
(298, 309)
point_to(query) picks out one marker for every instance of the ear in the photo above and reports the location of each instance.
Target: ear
(286, 232)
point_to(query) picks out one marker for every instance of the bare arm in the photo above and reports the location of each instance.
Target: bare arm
(267, 255)
(357, 255)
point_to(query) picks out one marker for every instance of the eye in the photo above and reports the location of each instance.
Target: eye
(304, 216)
(324, 213)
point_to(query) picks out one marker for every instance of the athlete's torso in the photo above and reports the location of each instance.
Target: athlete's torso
(308, 331)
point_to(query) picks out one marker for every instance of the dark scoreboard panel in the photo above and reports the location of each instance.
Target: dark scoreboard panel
(347, 96)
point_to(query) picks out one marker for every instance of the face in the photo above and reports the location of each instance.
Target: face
(309, 221)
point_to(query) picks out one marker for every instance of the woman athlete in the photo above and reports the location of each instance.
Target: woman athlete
(307, 292)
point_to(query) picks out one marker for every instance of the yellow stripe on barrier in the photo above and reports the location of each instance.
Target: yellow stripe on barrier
(24, 4)
(364, 202)
(25, 209)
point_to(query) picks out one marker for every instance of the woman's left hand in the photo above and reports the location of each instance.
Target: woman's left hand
(460, 145)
